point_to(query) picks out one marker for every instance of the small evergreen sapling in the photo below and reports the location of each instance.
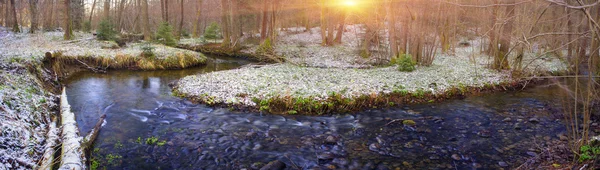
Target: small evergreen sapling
(164, 34)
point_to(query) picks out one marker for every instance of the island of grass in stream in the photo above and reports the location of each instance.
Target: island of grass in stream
(148, 128)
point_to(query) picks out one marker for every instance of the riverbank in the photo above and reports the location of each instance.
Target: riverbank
(304, 86)
(31, 68)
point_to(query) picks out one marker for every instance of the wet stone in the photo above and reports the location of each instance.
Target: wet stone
(508, 119)
(341, 161)
(503, 164)
(250, 135)
(257, 165)
(533, 154)
(326, 157)
(484, 133)
(517, 126)
(374, 147)
(274, 165)
(456, 157)
(562, 137)
(534, 120)
(330, 140)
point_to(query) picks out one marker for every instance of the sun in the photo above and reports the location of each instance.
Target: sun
(349, 3)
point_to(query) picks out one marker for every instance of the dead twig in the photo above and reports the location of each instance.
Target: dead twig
(91, 68)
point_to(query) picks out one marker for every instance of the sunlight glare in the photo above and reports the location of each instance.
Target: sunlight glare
(350, 3)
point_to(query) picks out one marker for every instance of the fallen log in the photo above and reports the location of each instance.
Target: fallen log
(88, 141)
(72, 157)
(48, 157)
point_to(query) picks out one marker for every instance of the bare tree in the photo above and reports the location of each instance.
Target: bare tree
(34, 15)
(106, 9)
(68, 27)
(14, 21)
(196, 28)
(146, 21)
(180, 28)
(92, 12)
(120, 14)
(501, 58)
(49, 16)
(392, 27)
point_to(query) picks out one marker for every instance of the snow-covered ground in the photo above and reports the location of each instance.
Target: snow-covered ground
(287, 79)
(26, 46)
(25, 106)
(25, 110)
(466, 67)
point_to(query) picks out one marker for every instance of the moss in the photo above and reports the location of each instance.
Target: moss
(161, 143)
(151, 141)
(409, 123)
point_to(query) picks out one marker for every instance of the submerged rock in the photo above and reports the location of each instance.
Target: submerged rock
(274, 165)
(534, 120)
(456, 157)
(503, 164)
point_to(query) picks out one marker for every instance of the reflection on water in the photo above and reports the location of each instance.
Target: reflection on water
(477, 132)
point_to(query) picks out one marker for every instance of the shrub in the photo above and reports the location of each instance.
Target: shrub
(106, 31)
(212, 32)
(405, 63)
(87, 26)
(164, 34)
(147, 50)
(266, 47)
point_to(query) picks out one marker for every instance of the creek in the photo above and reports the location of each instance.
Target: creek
(148, 128)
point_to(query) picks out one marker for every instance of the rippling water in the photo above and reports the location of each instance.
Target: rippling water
(477, 132)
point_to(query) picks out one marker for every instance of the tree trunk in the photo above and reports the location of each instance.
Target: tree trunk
(306, 16)
(146, 21)
(68, 26)
(137, 23)
(92, 12)
(166, 10)
(225, 24)
(501, 59)
(2, 14)
(7, 13)
(77, 14)
(392, 28)
(196, 33)
(180, 29)
(15, 22)
(265, 14)
(323, 23)
(493, 46)
(234, 21)
(570, 28)
(34, 15)
(120, 15)
(106, 9)
(162, 9)
(341, 28)
(49, 19)
(330, 26)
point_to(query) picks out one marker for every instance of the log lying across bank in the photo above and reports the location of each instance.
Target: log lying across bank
(48, 159)
(72, 157)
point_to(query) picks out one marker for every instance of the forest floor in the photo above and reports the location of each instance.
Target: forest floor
(315, 72)
(26, 106)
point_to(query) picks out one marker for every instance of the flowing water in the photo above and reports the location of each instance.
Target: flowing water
(148, 128)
